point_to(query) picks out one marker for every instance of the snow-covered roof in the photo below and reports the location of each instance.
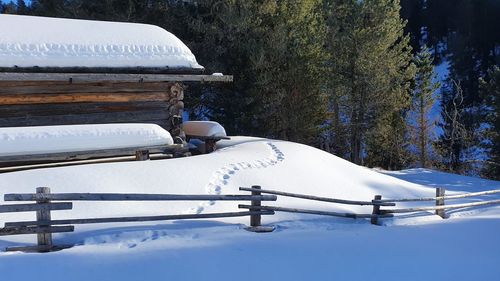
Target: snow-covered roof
(27, 41)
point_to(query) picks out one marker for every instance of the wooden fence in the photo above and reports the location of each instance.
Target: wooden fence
(45, 202)
(44, 226)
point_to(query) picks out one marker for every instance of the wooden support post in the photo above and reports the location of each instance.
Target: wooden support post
(376, 210)
(44, 239)
(210, 145)
(440, 191)
(141, 155)
(255, 220)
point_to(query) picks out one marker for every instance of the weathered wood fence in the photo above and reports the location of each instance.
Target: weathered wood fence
(44, 226)
(377, 203)
(45, 202)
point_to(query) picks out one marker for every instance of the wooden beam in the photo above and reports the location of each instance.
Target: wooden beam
(35, 207)
(80, 162)
(317, 198)
(80, 155)
(313, 212)
(112, 77)
(37, 249)
(82, 97)
(446, 207)
(138, 219)
(132, 197)
(447, 197)
(35, 230)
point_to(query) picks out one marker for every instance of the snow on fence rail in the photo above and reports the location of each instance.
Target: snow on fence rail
(44, 226)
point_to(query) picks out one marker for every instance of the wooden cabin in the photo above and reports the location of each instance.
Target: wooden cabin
(62, 71)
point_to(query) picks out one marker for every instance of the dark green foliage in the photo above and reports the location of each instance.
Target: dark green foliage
(370, 74)
(490, 90)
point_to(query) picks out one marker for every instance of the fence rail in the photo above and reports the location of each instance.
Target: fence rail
(447, 197)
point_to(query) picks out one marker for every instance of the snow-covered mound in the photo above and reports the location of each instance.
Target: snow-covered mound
(242, 161)
(304, 247)
(70, 138)
(27, 41)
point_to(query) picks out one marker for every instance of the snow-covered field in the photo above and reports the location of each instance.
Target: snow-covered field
(417, 246)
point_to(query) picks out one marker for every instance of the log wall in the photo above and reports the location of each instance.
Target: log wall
(39, 103)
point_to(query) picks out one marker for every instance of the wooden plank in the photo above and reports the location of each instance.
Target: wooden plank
(97, 77)
(38, 249)
(317, 198)
(79, 155)
(446, 207)
(132, 197)
(447, 197)
(79, 108)
(35, 230)
(313, 212)
(138, 219)
(40, 88)
(86, 118)
(80, 162)
(35, 207)
(83, 97)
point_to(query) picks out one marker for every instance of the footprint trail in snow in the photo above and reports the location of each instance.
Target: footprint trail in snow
(222, 176)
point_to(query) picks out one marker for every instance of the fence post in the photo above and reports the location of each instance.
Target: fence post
(44, 239)
(255, 220)
(440, 202)
(376, 210)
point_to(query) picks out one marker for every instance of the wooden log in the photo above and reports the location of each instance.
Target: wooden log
(38, 249)
(41, 88)
(255, 220)
(87, 118)
(313, 212)
(447, 197)
(445, 207)
(79, 162)
(82, 97)
(54, 109)
(44, 238)
(35, 230)
(440, 202)
(375, 211)
(141, 155)
(81, 155)
(35, 207)
(132, 197)
(139, 219)
(323, 199)
(111, 77)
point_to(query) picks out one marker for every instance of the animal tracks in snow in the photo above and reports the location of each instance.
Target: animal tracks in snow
(221, 177)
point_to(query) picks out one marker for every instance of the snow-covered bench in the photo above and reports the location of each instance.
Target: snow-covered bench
(209, 132)
(77, 142)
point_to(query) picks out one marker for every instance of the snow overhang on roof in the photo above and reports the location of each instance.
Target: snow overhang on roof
(28, 42)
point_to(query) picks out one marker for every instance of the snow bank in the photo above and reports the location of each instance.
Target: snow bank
(304, 247)
(27, 41)
(203, 129)
(68, 138)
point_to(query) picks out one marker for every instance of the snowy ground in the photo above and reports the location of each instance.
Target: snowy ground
(304, 247)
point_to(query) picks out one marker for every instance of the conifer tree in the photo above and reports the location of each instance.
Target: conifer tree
(371, 71)
(423, 101)
(491, 90)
